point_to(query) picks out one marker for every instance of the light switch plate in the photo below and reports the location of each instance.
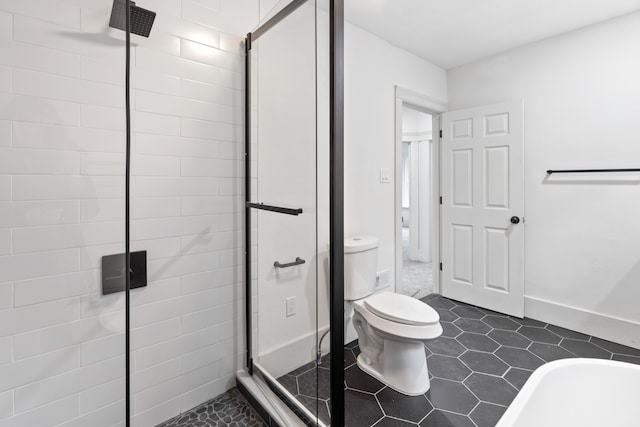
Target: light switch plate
(384, 175)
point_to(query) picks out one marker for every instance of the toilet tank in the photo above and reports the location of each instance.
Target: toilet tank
(360, 266)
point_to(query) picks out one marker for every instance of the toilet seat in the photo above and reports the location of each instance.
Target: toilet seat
(401, 331)
(401, 309)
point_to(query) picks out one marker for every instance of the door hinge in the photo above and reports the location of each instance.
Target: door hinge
(440, 266)
(440, 133)
(440, 199)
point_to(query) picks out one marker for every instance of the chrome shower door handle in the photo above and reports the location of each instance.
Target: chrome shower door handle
(298, 261)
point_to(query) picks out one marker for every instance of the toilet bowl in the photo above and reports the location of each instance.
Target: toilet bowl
(391, 328)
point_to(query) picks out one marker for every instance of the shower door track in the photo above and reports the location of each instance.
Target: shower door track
(279, 390)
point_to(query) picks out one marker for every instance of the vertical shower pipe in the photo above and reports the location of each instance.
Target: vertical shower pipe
(336, 208)
(247, 209)
(127, 230)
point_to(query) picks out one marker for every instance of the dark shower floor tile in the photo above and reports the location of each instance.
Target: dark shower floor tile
(229, 409)
(476, 367)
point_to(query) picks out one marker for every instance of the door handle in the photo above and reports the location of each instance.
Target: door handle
(515, 220)
(298, 261)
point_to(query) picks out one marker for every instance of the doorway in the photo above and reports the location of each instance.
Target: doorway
(417, 192)
(417, 179)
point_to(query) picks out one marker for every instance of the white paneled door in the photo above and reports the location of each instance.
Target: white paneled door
(483, 207)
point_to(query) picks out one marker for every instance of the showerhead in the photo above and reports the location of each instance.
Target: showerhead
(141, 19)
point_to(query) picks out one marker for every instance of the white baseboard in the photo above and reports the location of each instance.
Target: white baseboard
(598, 325)
(293, 354)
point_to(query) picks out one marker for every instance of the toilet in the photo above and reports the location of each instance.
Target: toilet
(391, 328)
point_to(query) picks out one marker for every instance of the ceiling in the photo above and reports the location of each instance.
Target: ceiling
(450, 33)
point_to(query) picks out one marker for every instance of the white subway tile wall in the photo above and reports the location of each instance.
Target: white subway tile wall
(62, 141)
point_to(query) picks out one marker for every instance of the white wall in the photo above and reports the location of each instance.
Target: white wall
(61, 209)
(373, 68)
(414, 121)
(582, 98)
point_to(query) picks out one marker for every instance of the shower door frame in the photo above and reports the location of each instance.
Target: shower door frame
(336, 197)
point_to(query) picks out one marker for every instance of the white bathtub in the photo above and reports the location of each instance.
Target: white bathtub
(578, 393)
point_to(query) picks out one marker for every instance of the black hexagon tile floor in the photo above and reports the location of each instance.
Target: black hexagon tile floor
(476, 367)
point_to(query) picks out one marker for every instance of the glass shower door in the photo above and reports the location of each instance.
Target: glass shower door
(290, 309)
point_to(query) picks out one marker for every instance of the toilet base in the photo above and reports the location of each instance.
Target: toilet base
(401, 366)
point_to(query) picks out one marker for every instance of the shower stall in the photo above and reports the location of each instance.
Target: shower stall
(124, 251)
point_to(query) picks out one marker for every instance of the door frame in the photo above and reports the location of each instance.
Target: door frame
(434, 107)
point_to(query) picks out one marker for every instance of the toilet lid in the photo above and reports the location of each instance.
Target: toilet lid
(401, 309)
